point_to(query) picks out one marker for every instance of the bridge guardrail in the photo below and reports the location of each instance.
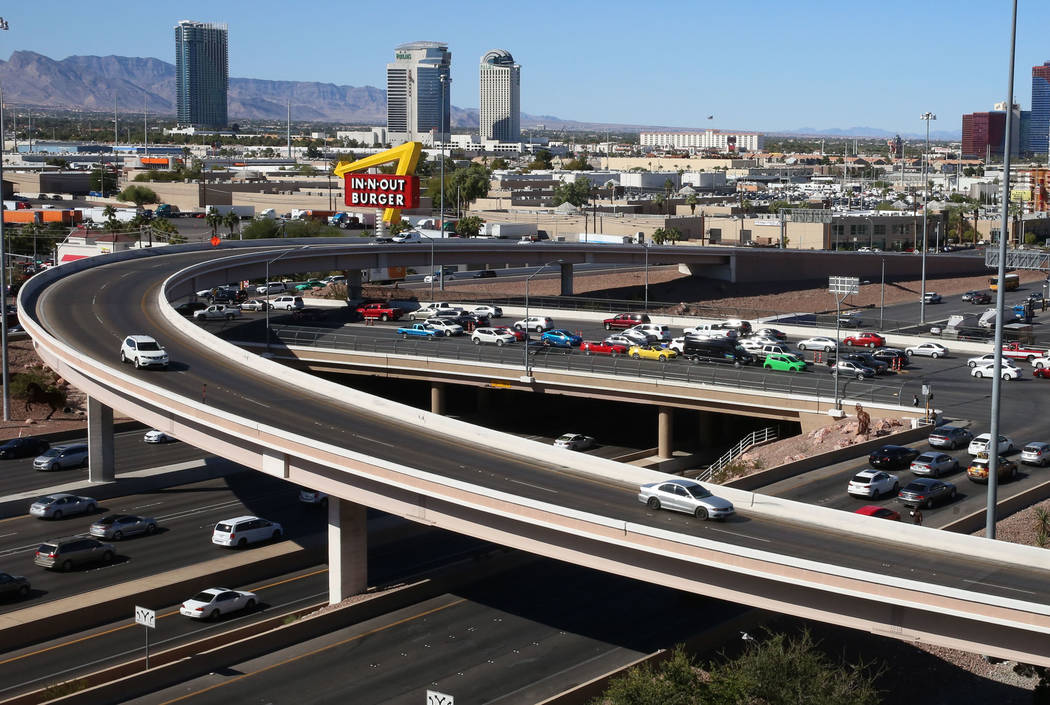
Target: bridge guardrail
(557, 359)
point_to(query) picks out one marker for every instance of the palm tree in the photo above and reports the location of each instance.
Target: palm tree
(231, 220)
(110, 213)
(690, 201)
(214, 220)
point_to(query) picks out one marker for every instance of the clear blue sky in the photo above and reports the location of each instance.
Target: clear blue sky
(753, 64)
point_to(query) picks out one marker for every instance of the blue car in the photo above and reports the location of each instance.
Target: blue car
(560, 339)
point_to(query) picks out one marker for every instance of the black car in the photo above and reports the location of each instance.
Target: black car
(484, 273)
(981, 299)
(190, 307)
(868, 360)
(24, 447)
(892, 457)
(891, 356)
(309, 314)
(13, 585)
(926, 492)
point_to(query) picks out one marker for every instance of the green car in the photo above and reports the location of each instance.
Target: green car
(784, 362)
(313, 283)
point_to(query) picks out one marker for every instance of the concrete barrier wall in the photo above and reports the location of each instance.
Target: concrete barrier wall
(975, 521)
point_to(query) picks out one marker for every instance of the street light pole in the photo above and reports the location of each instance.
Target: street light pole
(525, 355)
(444, 79)
(3, 266)
(882, 301)
(926, 117)
(646, 246)
(432, 269)
(1000, 301)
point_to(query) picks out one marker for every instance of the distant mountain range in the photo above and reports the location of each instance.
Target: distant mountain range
(92, 83)
(871, 132)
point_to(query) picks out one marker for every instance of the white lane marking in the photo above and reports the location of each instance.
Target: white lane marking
(372, 440)
(144, 506)
(1001, 587)
(13, 533)
(529, 484)
(733, 533)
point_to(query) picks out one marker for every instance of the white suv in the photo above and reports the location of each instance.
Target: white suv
(491, 335)
(655, 330)
(536, 323)
(288, 303)
(144, 351)
(241, 531)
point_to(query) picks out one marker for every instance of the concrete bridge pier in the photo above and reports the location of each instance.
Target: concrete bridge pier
(101, 466)
(566, 279)
(665, 432)
(347, 549)
(437, 398)
(354, 288)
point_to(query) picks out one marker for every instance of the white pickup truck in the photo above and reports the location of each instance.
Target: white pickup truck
(434, 310)
(217, 312)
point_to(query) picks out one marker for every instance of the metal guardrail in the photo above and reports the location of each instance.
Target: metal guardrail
(556, 359)
(742, 446)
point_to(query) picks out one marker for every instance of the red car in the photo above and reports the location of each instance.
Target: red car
(625, 320)
(874, 510)
(597, 347)
(519, 335)
(867, 340)
(1041, 372)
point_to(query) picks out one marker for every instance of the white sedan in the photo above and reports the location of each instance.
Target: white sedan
(989, 359)
(574, 441)
(494, 336)
(1007, 372)
(256, 305)
(155, 436)
(488, 311)
(934, 350)
(980, 444)
(817, 343)
(446, 327)
(213, 602)
(873, 483)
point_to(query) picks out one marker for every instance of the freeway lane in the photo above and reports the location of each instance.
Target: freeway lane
(492, 641)
(122, 302)
(399, 551)
(130, 453)
(186, 514)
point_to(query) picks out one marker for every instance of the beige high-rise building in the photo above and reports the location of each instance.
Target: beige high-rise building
(500, 113)
(417, 91)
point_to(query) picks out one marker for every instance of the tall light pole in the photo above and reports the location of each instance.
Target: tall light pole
(925, 117)
(646, 246)
(444, 80)
(267, 309)
(882, 300)
(1000, 300)
(528, 369)
(432, 268)
(3, 264)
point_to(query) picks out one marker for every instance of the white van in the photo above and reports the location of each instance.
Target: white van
(241, 531)
(408, 236)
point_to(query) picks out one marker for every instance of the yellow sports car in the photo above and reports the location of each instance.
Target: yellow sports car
(651, 352)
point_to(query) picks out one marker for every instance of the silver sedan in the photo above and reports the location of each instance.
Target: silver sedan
(934, 464)
(687, 496)
(60, 504)
(117, 526)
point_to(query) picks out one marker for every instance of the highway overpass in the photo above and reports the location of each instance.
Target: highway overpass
(897, 580)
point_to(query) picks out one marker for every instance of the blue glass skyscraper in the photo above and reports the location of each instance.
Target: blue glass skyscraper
(1038, 132)
(202, 74)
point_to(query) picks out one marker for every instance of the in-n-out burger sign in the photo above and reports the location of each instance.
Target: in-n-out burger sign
(381, 191)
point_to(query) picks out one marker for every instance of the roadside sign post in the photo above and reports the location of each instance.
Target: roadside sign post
(436, 698)
(840, 287)
(926, 394)
(148, 619)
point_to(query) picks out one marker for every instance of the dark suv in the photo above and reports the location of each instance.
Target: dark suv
(891, 457)
(625, 320)
(67, 553)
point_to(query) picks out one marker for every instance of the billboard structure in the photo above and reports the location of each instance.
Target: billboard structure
(391, 192)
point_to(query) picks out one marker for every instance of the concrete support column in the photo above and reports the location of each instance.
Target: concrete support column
(566, 279)
(707, 428)
(484, 400)
(347, 549)
(665, 440)
(437, 398)
(353, 285)
(101, 467)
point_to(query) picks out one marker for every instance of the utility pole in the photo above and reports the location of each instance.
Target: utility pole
(289, 132)
(116, 137)
(3, 269)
